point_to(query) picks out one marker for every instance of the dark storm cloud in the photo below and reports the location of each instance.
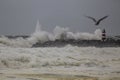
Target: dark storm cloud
(20, 16)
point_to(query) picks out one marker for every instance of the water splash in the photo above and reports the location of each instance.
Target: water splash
(42, 36)
(38, 27)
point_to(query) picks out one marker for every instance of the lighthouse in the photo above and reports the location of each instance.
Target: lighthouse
(103, 35)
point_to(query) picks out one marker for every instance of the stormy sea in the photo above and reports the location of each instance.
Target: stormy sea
(61, 55)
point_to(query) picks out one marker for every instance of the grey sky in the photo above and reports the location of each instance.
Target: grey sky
(20, 16)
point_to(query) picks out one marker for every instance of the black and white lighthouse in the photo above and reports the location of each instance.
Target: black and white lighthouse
(103, 35)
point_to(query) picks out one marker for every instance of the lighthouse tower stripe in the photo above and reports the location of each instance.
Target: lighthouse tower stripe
(103, 34)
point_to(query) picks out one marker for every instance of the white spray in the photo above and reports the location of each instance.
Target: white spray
(42, 36)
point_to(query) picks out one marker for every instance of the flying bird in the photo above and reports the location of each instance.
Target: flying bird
(97, 22)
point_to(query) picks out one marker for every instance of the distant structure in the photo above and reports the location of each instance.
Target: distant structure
(97, 22)
(103, 35)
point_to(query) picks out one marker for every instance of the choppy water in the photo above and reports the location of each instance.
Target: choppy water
(88, 61)
(22, 57)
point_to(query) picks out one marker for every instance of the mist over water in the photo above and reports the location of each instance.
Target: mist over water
(42, 36)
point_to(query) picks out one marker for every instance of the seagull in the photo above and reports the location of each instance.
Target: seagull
(97, 22)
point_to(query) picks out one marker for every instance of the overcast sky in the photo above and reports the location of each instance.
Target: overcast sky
(20, 16)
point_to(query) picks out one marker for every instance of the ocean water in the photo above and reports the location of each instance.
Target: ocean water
(20, 60)
(68, 60)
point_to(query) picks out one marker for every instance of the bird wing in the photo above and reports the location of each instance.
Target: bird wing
(91, 18)
(102, 19)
